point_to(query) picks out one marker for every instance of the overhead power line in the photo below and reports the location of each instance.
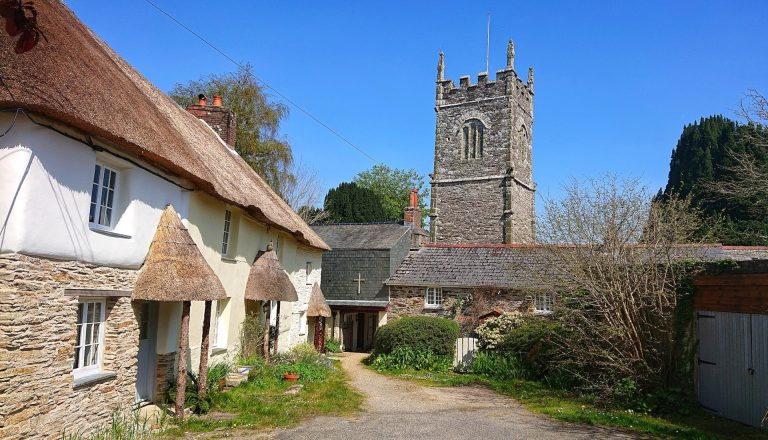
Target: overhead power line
(264, 83)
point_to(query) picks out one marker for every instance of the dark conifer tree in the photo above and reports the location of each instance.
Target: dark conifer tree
(704, 154)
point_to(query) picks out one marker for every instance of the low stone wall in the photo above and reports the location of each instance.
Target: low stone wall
(37, 339)
(164, 374)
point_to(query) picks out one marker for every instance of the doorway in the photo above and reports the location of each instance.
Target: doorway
(147, 356)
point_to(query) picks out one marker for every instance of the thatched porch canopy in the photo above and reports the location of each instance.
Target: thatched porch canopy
(174, 269)
(268, 281)
(317, 305)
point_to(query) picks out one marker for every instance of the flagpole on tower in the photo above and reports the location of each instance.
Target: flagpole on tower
(488, 44)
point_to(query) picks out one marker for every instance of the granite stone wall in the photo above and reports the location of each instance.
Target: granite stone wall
(38, 397)
(489, 198)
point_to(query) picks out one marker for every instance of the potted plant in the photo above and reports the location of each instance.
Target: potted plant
(291, 377)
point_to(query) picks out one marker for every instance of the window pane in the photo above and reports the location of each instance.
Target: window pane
(94, 194)
(86, 355)
(80, 313)
(76, 364)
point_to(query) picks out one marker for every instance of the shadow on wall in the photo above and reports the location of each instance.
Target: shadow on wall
(16, 191)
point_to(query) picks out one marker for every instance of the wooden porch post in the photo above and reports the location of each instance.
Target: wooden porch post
(277, 325)
(265, 342)
(202, 381)
(181, 378)
(320, 334)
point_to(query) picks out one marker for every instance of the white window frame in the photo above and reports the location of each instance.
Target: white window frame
(225, 247)
(219, 328)
(543, 303)
(103, 214)
(83, 323)
(436, 301)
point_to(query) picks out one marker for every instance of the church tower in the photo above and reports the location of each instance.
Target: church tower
(482, 184)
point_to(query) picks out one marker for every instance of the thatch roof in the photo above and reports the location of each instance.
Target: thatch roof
(317, 305)
(75, 78)
(174, 269)
(268, 281)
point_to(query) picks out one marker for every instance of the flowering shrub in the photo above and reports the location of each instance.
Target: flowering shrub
(492, 332)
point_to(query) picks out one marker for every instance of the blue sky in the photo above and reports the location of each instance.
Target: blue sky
(615, 81)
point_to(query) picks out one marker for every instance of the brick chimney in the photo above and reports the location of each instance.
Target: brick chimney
(412, 212)
(219, 118)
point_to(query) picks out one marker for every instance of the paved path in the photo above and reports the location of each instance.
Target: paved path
(397, 409)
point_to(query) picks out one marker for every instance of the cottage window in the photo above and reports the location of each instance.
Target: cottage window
(102, 196)
(473, 139)
(227, 228)
(309, 271)
(219, 325)
(433, 297)
(543, 303)
(303, 323)
(89, 345)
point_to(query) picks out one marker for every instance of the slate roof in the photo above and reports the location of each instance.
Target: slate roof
(361, 235)
(514, 266)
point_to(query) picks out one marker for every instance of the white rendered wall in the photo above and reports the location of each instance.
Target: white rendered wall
(206, 226)
(45, 190)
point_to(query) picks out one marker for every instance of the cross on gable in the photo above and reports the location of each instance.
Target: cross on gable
(359, 280)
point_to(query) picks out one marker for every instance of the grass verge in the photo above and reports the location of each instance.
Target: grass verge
(565, 406)
(262, 404)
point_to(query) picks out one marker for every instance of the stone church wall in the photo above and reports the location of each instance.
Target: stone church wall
(38, 398)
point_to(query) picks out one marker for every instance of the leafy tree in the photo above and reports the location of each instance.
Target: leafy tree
(706, 157)
(350, 203)
(258, 121)
(394, 186)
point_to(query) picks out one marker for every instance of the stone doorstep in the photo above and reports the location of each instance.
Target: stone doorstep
(235, 379)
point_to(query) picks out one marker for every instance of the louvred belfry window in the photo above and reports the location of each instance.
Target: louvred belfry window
(473, 139)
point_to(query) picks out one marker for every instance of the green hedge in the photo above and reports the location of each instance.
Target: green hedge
(419, 333)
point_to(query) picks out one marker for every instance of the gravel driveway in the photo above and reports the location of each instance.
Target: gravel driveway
(397, 409)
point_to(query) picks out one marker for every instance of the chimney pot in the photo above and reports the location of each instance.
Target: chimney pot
(414, 198)
(201, 99)
(216, 101)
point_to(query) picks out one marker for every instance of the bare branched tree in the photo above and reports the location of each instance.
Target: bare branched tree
(613, 248)
(748, 171)
(304, 193)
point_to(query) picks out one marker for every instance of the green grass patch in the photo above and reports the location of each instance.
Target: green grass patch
(570, 407)
(260, 403)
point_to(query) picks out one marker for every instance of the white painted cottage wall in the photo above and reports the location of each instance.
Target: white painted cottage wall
(45, 188)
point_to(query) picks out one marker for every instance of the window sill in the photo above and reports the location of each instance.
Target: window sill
(102, 230)
(429, 307)
(542, 312)
(226, 259)
(93, 378)
(218, 350)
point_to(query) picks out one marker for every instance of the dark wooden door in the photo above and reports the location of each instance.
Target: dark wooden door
(360, 331)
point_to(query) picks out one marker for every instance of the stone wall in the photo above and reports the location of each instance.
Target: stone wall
(487, 199)
(38, 398)
(409, 301)
(165, 373)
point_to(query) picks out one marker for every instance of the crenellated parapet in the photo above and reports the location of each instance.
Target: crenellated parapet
(506, 83)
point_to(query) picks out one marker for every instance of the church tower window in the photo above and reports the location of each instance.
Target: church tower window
(473, 139)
